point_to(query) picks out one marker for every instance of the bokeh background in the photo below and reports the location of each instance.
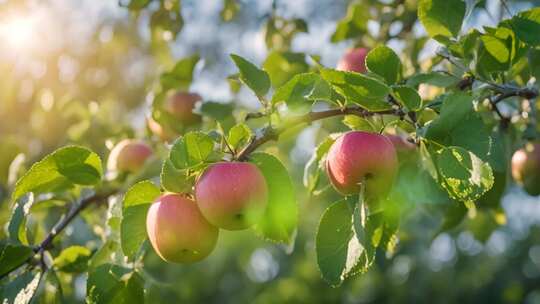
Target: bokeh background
(82, 72)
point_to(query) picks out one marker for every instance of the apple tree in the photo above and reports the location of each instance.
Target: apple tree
(430, 114)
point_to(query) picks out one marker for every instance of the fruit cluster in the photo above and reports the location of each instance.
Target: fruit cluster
(184, 228)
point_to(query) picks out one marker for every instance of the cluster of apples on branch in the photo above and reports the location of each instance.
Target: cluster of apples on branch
(233, 195)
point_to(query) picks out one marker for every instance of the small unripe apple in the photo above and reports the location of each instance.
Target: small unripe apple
(128, 155)
(178, 231)
(181, 105)
(362, 159)
(164, 132)
(232, 195)
(354, 60)
(526, 168)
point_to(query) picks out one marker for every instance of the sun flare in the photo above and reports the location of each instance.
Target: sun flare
(17, 32)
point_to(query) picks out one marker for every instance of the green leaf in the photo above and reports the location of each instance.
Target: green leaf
(338, 249)
(416, 186)
(282, 66)
(281, 216)
(498, 159)
(216, 110)
(191, 150)
(527, 26)
(373, 231)
(22, 289)
(302, 90)
(408, 97)
(175, 180)
(354, 24)
(315, 164)
(534, 63)
(138, 4)
(61, 169)
(459, 125)
(17, 223)
(239, 136)
(230, 9)
(437, 79)
(12, 255)
(134, 208)
(360, 89)
(114, 284)
(73, 259)
(359, 123)
(453, 216)
(181, 75)
(441, 18)
(255, 78)
(462, 174)
(383, 61)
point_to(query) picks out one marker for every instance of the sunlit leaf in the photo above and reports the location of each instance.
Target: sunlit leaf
(61, 169)
(383, 61)
(441, 18)
(134, 208)
(73, 259)
(255, 78)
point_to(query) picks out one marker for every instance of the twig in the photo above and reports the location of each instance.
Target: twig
(61, 225)
(273, 133)
(527, 93)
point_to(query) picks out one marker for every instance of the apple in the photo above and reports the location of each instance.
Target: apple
(181, 105)
(354, 60)
(178, 231)
(128, 155)
(526, 168)
(232, 195)
(359, 158)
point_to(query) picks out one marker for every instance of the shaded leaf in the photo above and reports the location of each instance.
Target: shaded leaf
(22, 289)
(181, 75)
(114, 284)
(12, 255)
(408, 97)
(281, 216)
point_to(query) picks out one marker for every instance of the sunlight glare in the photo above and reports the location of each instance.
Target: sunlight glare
(17, 32)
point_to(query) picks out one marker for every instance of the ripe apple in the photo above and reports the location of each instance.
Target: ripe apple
(232, 195)
(354, 60)
(357, 158)
(178, 231)
(128, 155)
(526, 168)
(181, 105)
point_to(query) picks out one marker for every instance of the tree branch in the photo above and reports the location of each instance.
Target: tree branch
(527, 93)
(274, 133)
(62, 224)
